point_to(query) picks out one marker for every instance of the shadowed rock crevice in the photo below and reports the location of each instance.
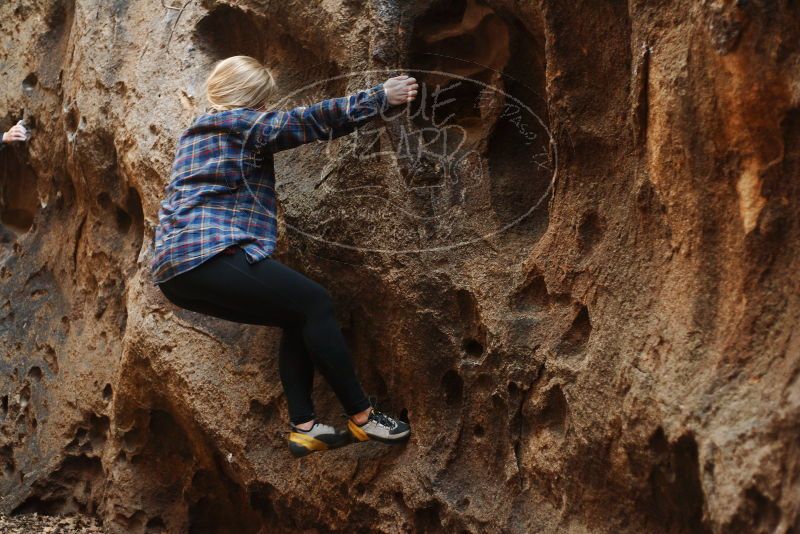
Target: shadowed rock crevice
(677, 497)
(76, 486)
(229, 31)
(458, 39)
(261, 496)
(590, 231)
(757, 513)
(474, 336)
(532, 295)
(90, 436)
(19, 201)
(54, 42)
(154, 525)
(196, 492)
(29, 83)
(7, 458)
(521, 156)
(481, 135)
(553, 414)
(217, 504)
(575, 339)
(428, 518)
(453, 386)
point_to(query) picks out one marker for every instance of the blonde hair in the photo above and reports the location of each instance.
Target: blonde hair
(239, 82)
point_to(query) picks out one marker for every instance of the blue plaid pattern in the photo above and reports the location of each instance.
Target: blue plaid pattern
(209, 208)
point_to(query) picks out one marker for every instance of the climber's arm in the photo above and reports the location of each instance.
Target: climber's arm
(331, 118)
(325, 120)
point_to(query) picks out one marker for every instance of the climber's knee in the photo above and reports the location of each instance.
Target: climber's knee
(320, 302)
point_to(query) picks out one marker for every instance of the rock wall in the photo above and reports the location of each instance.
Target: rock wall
(591, 328)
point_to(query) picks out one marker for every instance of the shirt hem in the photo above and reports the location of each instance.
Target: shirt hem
(214, 251)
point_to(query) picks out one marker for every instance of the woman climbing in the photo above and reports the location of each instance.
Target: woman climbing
(217, 229)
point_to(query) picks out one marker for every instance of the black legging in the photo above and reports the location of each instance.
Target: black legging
(270, 293)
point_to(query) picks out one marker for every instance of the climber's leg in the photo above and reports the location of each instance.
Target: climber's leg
(294, 363)
(297, 376)
(214, 309)
(285, 295)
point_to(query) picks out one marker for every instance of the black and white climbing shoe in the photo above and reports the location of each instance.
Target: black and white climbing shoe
(379, 427)
(319, 437)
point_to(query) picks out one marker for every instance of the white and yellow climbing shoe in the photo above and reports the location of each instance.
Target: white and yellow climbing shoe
(319, 437)
(379, 427)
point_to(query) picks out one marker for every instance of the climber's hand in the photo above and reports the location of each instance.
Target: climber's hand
(16, 133)
(400, 89)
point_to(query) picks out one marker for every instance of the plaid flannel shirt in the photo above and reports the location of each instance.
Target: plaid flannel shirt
(208, 208)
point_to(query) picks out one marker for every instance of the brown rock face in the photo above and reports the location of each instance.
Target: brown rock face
(574, 269)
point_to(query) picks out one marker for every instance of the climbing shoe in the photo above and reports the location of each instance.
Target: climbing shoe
(379, 427)
(319, 437)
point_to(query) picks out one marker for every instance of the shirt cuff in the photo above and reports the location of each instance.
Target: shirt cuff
(378, 94)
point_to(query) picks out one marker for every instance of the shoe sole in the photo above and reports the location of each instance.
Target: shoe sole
(358, 435)
(302, 445)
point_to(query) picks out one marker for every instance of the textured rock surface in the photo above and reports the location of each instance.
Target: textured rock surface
(48, 524)
(624, 358)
